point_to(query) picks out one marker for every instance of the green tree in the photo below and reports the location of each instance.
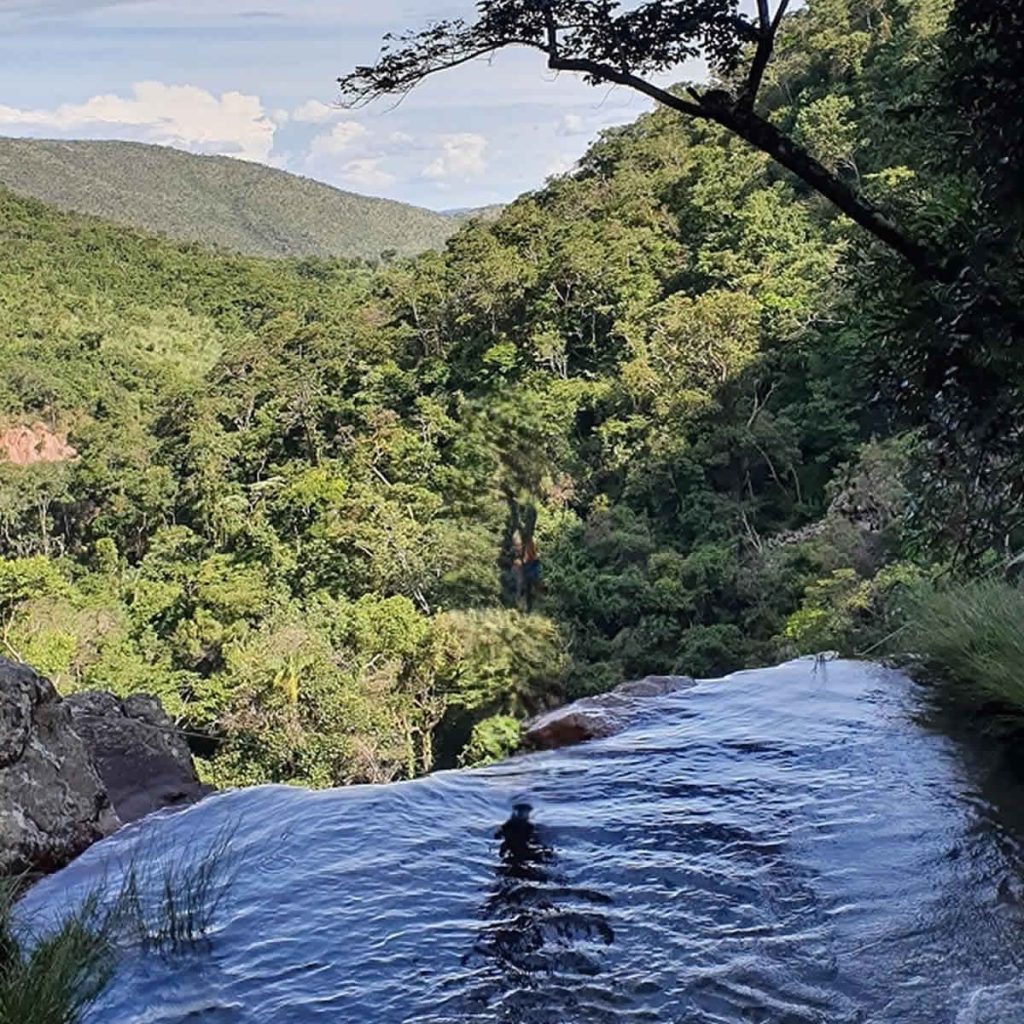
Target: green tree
(607, 44)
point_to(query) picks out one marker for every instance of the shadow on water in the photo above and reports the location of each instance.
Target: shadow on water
(541, 941)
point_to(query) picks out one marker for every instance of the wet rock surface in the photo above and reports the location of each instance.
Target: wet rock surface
(52, 802)
(140, 756)
(602, 715)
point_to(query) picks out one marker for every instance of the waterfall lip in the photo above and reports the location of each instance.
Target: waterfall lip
(608, 714)
(790, 839)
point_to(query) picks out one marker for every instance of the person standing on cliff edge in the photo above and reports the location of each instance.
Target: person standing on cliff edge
(519, 560)
(531, 570)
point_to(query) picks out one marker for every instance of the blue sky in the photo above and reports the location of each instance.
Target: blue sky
(256, 79)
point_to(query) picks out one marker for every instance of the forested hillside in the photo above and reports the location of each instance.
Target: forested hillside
(295, 482)
(242, 206)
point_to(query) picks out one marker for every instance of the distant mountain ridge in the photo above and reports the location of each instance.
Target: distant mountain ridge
(238, 205)
(485, 213)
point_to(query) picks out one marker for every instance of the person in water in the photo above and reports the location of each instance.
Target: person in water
(535, 931)
(520, 843)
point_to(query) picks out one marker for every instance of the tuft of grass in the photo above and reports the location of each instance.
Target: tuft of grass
(970, 639)
(55, 975)
(172, 909)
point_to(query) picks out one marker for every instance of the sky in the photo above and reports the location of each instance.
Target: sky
(256, 79)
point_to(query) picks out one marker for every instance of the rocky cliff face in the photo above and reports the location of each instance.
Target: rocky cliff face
(141, 758)
(25, 446)
(74, 770)
(52, 802)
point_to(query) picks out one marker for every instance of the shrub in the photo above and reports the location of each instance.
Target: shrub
(970, 639)
(509, 663)
(848, 614)
(491, 740)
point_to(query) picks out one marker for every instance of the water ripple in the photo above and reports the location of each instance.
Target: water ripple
(784, 847)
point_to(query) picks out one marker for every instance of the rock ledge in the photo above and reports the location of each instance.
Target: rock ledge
(52, 802)
(73, 770)
(595, 717)
(140, 756)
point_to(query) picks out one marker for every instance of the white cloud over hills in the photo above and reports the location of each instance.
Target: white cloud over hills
(355, 151)
(338, 140)
(236, 124)
(256, 79)
(185, 116)
(366, 175)
(461, 157)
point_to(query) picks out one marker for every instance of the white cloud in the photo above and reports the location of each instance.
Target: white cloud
(314, 112)
(366, 173)
(338, 139)
(572, 124)
(233, 124)
(559, 165)
(461, 158)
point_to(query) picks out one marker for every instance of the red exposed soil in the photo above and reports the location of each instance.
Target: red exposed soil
(25, 446)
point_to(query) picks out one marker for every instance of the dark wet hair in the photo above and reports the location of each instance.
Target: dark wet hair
(521, 810)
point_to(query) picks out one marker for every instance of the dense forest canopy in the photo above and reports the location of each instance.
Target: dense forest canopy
(744, 427)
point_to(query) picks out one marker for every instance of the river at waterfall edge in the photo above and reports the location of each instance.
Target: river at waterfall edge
(791, 845)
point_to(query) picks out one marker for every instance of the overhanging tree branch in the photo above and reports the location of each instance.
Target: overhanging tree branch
(605, 44)
(603, 73)
(734, 116)
(763, 135)
(768, 28)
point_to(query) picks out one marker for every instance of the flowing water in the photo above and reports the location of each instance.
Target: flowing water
(790, 845)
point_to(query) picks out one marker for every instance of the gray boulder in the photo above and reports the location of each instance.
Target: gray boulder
(52, 802)
(595, 717)
(140, 756)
